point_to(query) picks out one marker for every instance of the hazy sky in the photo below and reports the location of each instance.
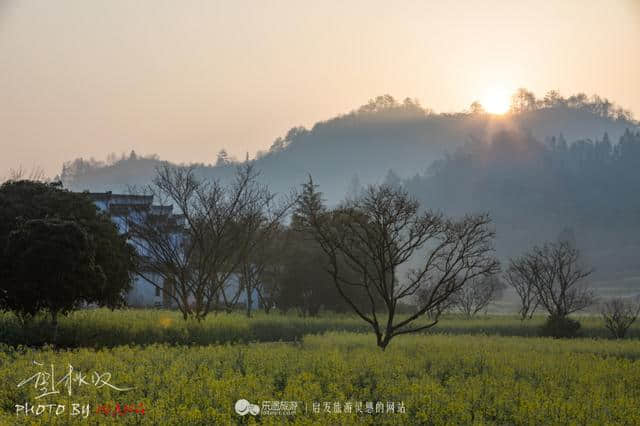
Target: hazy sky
(184, 78)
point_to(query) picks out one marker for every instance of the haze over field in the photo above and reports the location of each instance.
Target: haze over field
(84, 79)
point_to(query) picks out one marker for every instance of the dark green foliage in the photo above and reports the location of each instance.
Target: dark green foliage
(45, 229)
(560, 326)
(50, 266)
(305, 282)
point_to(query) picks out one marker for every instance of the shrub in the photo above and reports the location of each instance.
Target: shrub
(560, 326)
(619, 315)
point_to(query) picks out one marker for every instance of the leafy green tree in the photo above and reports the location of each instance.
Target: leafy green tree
(111, 254)
(50, 266)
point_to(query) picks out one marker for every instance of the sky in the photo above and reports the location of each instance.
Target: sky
(183, 79)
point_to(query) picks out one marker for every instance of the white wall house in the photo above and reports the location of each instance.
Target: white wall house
(123, 208)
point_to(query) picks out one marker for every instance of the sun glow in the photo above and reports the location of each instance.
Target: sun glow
(496, 100)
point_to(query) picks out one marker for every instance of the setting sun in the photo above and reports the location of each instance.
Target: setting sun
(496, 101)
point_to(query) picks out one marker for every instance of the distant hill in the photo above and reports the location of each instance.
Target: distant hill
(548, 167)
(362, 146)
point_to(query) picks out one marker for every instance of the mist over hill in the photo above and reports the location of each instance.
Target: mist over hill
(363, 145)
(551, 166)
(586, 191)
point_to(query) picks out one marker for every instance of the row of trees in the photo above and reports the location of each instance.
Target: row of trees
(523, 101)
(594, 156)
(377, 251)
(226, 229)
(356, 249)
(375, 254)
(534, 189)
(552, 277)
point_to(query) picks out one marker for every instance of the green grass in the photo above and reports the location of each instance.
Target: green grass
(441, 379)
(103, 328)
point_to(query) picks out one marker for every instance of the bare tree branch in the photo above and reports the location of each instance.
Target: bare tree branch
(374, 235)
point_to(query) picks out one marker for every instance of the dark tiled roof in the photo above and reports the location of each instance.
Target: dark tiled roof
(121, 199)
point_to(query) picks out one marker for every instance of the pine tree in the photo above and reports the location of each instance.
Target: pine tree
(310, 204)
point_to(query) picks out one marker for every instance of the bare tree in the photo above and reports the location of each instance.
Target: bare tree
(256, 227)
(558, 278)
(436, 311)
(523, 101)
(521, 275)
(367, 240)
(35, 174)
(619, 314)
(477, 294)
(228, 292)
(199, 250)
(254, 264)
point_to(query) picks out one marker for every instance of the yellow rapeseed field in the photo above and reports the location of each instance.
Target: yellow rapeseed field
(434, 379)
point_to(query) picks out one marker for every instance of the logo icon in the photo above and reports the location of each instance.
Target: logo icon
(243, 407)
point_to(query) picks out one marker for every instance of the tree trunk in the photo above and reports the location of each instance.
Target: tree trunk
(249, 300)
(382, 343)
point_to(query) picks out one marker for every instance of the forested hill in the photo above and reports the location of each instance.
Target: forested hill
(362, 146)
(587, 190)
